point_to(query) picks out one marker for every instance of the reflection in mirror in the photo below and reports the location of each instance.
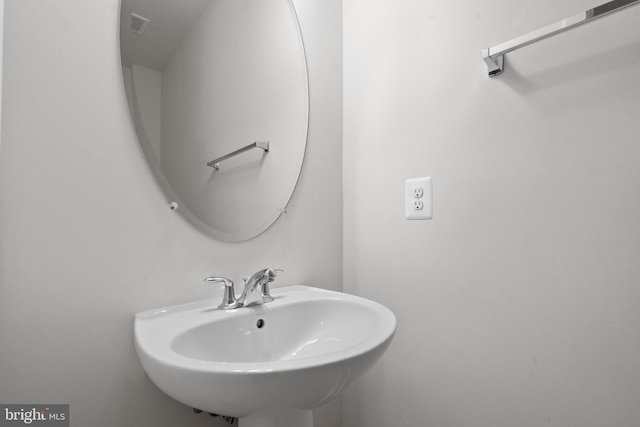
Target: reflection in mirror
(204, 79)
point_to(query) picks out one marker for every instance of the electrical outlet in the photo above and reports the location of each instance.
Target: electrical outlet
(419, 198)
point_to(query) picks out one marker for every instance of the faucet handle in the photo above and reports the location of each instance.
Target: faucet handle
(272, 273)
(229, 300)
(265, 291)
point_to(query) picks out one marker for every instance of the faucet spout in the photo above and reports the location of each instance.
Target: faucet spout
(253, 289)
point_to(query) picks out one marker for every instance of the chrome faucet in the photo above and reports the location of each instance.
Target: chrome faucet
(256, 289)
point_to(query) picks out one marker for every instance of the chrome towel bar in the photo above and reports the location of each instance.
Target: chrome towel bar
(258, 144)
(494, 56)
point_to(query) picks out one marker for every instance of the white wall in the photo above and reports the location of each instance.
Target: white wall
(87, 238)
(517, 304)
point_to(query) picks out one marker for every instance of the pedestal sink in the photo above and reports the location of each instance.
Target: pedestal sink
(268, 365)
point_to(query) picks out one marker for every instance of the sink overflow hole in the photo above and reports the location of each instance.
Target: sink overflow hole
(260, 323)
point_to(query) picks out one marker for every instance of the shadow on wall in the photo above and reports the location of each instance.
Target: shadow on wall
(550, 77)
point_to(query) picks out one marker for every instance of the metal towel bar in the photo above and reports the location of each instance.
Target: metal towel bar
(494, 56)
(258, 144)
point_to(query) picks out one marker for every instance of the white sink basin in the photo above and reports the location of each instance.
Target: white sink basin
(269, 364)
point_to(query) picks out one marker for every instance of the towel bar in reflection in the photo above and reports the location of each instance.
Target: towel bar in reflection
(264, 145)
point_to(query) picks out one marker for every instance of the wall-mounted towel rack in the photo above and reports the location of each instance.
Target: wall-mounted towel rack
(258, 144)
(494, 56)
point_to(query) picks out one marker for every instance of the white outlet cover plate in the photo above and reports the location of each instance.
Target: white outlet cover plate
(427, 198)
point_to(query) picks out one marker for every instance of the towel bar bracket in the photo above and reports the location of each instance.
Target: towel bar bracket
(495, 65)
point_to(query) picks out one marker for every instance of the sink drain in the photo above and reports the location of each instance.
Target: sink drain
(260, 323)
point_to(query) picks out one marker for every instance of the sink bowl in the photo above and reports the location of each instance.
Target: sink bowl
(268, 365)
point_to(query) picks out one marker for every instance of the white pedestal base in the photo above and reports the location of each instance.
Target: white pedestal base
(298, 419)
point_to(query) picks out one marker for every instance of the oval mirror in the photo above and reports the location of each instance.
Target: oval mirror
(218, 94)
